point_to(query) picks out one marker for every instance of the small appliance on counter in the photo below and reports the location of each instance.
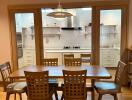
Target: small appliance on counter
(74, 47)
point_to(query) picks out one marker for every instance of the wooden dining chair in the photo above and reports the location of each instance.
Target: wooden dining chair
(107, 87)
(73, 62)
(74, 85)
(85, 58)
(68, 56)
(50, 61)
(9, 86)
(38, 87)
(53, 82)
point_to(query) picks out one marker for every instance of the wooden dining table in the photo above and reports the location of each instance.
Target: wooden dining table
(93, 72)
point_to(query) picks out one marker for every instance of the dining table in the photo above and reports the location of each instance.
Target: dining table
(94, 72)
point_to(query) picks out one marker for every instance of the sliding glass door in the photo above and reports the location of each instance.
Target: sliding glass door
(25, 39)
(69, 35)
(110, 37)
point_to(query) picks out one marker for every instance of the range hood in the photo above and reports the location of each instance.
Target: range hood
(72, 24)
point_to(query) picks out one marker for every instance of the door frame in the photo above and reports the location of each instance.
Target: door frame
(96, 33)
(37, 29)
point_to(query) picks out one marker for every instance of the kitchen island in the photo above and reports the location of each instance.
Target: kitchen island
(59, 53)
(108, 56)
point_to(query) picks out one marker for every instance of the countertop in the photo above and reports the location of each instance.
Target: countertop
(68, 50)
(86, 50)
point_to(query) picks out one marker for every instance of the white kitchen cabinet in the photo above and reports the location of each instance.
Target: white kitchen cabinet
(59, 53)
(109, 57)
(29, 57)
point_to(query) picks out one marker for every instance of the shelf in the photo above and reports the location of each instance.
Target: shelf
(51, 27)
(52, 35)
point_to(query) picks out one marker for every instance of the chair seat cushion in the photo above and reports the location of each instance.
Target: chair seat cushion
(107, 87)
(17, 87)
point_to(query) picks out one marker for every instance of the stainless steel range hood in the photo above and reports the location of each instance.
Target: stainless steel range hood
(72, 24)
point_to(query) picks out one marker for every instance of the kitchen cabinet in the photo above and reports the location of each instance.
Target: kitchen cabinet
(104, 30)
(29, 57)
(109, 57)
(59, 53)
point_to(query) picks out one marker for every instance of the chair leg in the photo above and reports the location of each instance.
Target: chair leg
(62, 96)
(56, 95)
(15, 96)
(7, 96)
(100, 97)
(20, 95)
(115, 97)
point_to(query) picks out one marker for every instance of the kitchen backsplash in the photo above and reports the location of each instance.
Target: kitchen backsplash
(70, 38)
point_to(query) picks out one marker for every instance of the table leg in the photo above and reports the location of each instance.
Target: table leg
(93, 94)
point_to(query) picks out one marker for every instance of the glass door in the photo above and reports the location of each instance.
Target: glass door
(110, 37)
(69, 35)
(25, 39)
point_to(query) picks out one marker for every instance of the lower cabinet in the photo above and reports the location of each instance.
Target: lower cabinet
(109, 57)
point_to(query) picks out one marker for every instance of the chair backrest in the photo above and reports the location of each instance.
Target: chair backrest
(73, 62)
(74, 85)
(37, 85)
(50, 62)
(5, 70)
(120, 73)
(86, 57)
(68, 56)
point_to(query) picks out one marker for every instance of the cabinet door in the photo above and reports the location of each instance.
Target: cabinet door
(110, 36)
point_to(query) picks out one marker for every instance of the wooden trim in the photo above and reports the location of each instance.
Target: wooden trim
(124, 28)
(124, 33)
(95, 36)
(38, 31)
(13, 41)
(38, 36)
(71, 4)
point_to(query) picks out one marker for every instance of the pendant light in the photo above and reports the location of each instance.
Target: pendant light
(59, 13)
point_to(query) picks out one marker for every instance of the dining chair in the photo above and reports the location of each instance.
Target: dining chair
(9, 86)
(73, 62)
(86, 58)
(107, 87)
(68, 56)
(74, 85)
(50, 61)
(38, 87)
(53, 82)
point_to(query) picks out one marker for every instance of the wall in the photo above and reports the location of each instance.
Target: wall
(130, 25)
(5, 53)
